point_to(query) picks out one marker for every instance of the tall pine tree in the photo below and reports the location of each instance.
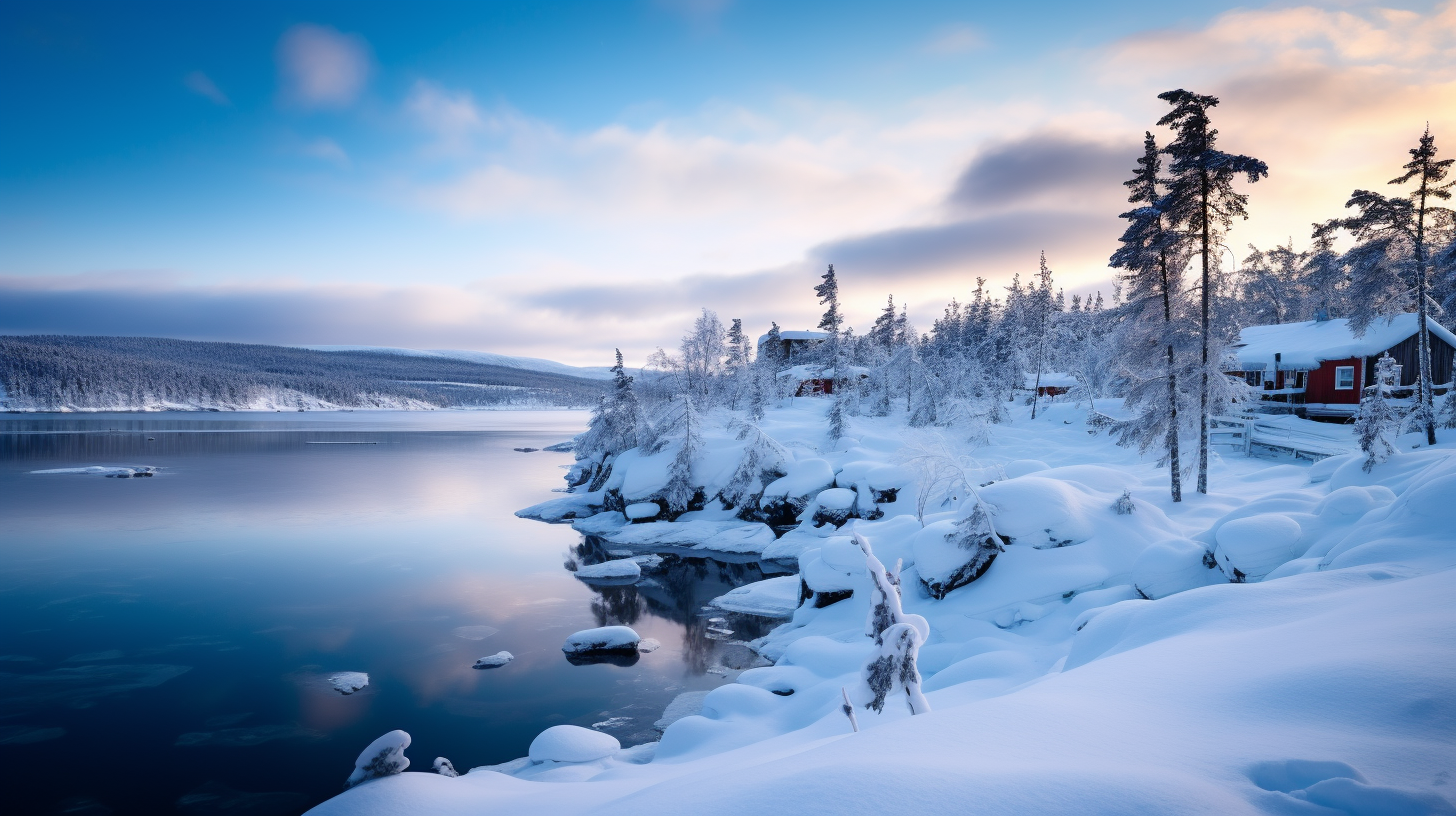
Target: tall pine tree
(1201, 201)
(828, 293)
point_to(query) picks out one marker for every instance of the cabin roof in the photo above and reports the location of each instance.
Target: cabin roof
(1306, 345)
(797, 335)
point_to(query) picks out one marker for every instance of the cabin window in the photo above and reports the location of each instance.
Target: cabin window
(1344, 378)
(1254, 378)
(1299, 379)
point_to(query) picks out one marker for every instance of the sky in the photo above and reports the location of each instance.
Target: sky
(558, 179)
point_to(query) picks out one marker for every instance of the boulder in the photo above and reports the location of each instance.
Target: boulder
(572, 743)
(1172, 566)
(1250, 548)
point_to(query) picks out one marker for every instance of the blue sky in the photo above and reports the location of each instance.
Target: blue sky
(558, 178)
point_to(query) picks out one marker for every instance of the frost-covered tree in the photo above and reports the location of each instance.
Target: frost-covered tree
(687, 429)
(1390, 267)
(762, 454)
(833, 319)
(1040, 309)
(898, 635)
(1201, 201)
(1154, 344)
(703, 351)
(738, 368)
(1378, 419)
(883, 332)
(617, 424)
(1326, 278)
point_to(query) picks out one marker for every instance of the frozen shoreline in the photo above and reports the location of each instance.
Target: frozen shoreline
(1056, 685)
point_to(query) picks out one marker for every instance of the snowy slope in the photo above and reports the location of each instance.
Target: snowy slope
(1325, 684)
(485, 358)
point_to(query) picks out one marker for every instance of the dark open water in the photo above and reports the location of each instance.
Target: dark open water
(165, 642)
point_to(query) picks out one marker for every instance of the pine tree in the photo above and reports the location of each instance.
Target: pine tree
(1152, 257)
(1377, 417)
(828, 293)
(882, 333)
(1201, 200)
(1390, 266)
(681, 489)
(1040, 306)
(897, 634)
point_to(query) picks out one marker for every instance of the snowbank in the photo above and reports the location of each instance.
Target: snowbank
(770, 598)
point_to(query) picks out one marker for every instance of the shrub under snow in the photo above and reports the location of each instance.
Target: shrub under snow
(384, 757)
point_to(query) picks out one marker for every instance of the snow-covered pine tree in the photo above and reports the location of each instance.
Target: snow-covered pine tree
(739, 357)
(882, 333)
(1390, 266)
(761, 454)
(1378, 418)
(828, 293)
(703, 351)
(1326, 278)
(1152, 258)
(1040, 307)
(681, 489)
(1201, 200)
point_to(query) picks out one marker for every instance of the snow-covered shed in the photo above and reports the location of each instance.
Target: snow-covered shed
(817, 381)
(794, 343)
(1322, 365)
(1050, 383)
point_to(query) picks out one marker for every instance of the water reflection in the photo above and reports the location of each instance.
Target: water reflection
(180, 627)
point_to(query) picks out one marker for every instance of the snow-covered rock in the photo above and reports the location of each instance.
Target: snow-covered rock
(572, 743)
(384, 757)
(648, 645)
(494, 661)
(622, 569)
(602, 639)
(640, 511)
(1173, 566)
(348, 682)
(566, 508)
(942, 564)
(833, 506)
(1043, 512)
(771, 598)
(724, 535)
(1250, 548)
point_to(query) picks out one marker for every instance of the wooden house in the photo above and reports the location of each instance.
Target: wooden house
(1319, 368)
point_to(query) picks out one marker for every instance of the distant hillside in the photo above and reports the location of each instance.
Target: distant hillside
(71, 373)
(485, 358)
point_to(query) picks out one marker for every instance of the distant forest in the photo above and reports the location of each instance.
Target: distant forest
(61, 372)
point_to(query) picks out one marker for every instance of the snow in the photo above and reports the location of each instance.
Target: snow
(384, 757)
(1249, 548)
(804, 477)
(572, 743)
(728, 536)
(1050, 379)
(772, 597)
(616, 570)
(1099, 666)
(642, 510)
(494, 661)
(1306, 345)
(836, 498)
(348, 682)
(602, 639)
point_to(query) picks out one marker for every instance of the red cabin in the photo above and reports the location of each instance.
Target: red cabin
(1319, 367)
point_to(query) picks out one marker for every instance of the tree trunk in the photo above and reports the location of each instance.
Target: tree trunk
(1174, 464)
(1425, 395)
(1203, 390)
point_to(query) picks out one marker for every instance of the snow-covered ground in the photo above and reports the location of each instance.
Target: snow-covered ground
(1106, 662)
(485, 358)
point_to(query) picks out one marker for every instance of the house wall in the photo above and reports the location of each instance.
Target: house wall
(1321, 385)
(1406, 356)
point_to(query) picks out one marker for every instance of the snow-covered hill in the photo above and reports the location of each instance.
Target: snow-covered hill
(484, 358)
(1279, 646)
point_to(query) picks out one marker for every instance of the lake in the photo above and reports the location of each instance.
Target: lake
(167, 642)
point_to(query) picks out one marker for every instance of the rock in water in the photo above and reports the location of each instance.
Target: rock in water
(384, 757)
(622, 569)
(602, 639)
(348, 682)
(572, 743)
(648, 645)
(494, 661)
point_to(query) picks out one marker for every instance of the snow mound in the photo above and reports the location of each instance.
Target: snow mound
(572, 743)
(769, 598)
(836, 498)
(803, 479)
(1172, 566)
(602, 639)
(942, 564)
(618, 570)
(642, 510)
(1250, 548)
(1045, 512)
(686, 704)
(1022, 467)
(718, 535)
(494, 661)
(384, 757)
(348, 682)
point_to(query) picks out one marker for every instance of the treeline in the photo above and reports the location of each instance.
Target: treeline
(1161, 342)
(59, 372)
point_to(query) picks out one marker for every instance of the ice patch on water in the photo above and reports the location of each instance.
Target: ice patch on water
(474, 632)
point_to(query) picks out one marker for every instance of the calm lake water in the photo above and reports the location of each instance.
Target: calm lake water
(165, 642)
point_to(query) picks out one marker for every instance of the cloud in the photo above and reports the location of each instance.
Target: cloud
(956, 39)
(202, 85)
(326, 149)
(319, 67)
(1045, 165)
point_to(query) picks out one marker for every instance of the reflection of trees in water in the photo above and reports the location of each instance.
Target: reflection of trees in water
(617, 605)
(678, 590)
